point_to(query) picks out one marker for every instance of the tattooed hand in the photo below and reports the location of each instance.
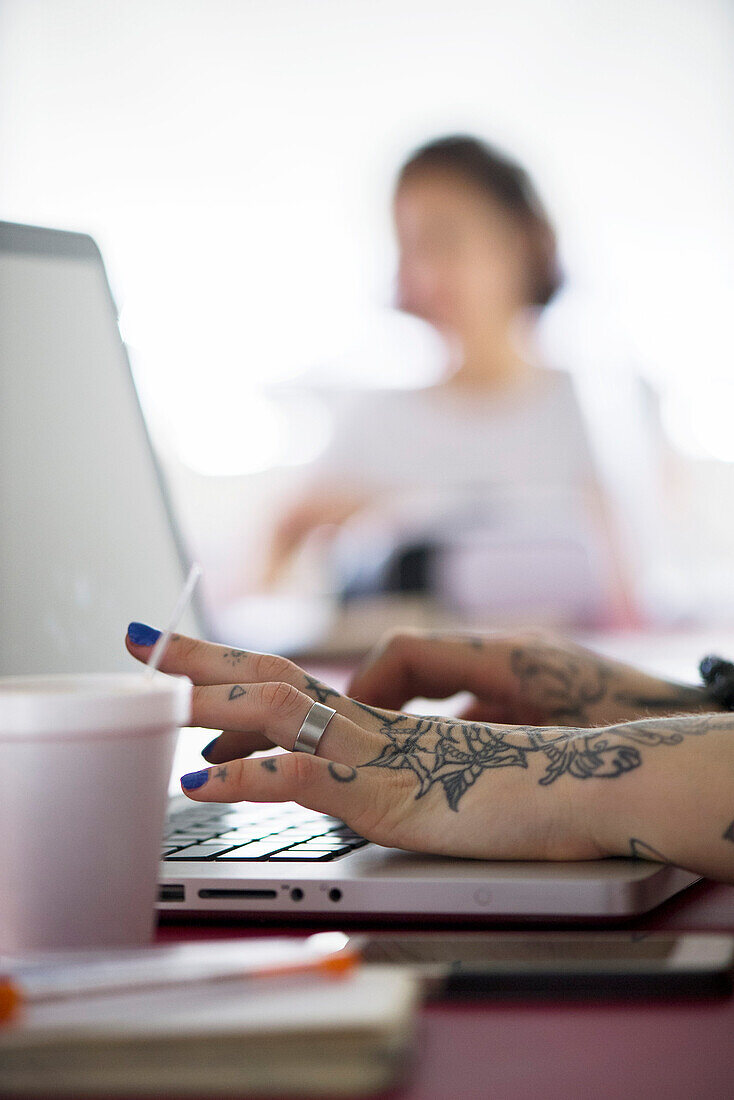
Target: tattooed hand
(448, 786)
(529, 677)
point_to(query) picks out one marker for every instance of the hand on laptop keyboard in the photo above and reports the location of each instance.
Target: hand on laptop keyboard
(560, 785)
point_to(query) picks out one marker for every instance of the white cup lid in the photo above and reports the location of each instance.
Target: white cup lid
(80, 705)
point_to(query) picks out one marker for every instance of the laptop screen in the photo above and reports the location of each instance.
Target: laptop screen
(87, 542)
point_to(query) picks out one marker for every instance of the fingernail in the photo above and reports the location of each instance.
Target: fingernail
(140, 634)
(207, 749)
(193, 780)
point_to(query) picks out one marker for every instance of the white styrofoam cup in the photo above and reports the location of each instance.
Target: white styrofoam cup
(85, 764)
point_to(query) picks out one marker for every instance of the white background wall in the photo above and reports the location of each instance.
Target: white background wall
(234, 161)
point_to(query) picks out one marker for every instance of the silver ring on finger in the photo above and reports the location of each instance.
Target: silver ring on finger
(313, 728)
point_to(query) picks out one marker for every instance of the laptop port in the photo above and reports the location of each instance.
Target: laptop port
(238, 894)
(169, 892)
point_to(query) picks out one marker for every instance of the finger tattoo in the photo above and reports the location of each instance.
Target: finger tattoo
(342, 772)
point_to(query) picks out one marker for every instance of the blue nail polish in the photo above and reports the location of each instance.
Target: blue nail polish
(193, 780)
(140, 634)
(207, 748)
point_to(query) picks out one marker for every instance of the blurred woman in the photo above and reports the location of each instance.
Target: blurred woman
(490, 468)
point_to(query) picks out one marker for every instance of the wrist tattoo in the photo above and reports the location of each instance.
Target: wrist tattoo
(567, 687)
(454, 754)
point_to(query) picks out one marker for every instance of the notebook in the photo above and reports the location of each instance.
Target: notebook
(309, 1036)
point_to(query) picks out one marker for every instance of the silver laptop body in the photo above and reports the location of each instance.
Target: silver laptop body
(370, 881)
(88, 542)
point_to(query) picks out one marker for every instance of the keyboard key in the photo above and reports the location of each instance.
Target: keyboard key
(259, 849)
(298, 837)
(291, 856)
(244, 836)
(307, 830)
(316, 850)
(324, 843)
(231, 821)
(198, 851)
(338, 848)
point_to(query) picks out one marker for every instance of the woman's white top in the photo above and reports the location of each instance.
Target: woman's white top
(531, 435)
(503, 482)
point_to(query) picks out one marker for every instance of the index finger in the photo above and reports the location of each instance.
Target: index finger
(205, 662)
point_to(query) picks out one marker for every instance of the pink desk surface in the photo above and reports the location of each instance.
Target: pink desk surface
(682, 1050)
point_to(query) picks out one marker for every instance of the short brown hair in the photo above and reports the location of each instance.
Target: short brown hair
(507, 184)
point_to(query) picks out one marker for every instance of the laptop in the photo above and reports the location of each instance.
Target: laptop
(88, 541)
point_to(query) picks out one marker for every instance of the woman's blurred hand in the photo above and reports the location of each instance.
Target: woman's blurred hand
(329, 507)
(528, 677)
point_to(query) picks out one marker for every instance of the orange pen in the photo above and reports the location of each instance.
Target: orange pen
(79, 974)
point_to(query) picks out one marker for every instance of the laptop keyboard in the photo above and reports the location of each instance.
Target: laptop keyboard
(250, 832)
